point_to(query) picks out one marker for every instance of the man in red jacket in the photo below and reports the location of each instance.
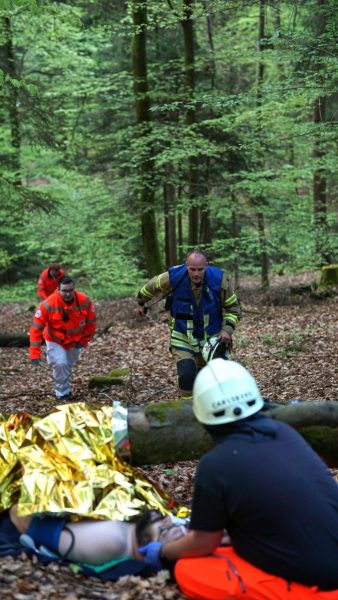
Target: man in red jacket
(48, 281)
(67, 323)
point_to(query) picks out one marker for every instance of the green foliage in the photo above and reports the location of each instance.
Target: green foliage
(268, 339)
(23, 291)
(291, 349)
(95, 242)
(71, 154)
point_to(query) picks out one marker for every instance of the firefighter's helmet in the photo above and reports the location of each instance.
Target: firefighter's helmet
(214, 348)
(224, 391)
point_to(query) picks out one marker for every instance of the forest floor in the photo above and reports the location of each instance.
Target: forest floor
(288, 338)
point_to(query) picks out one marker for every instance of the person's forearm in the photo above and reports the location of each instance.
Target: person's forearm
(156, 287)
(195, 543)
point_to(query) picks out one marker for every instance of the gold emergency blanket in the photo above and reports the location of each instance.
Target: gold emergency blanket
(66, 462)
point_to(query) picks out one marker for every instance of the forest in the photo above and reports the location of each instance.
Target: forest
(133, 131)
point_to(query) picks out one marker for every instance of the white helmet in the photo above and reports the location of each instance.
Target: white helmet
(225, 392)
(214, 348)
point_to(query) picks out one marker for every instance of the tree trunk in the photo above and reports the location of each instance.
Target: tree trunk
(142, 107)
(205, 228)
(168, 432)
(319, 189)
(205, 235)
(319, 178)
(264, 259)
(211, 68)
(180, 237)
(169, 218)
(277, 15)
(234, 235)
(189, 61)
(12, 100)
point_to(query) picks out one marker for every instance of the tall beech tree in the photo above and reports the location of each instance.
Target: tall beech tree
(170, 218)
(319, 177)
(187, 23)
(7, 62)
(259, 201)
(146, 165)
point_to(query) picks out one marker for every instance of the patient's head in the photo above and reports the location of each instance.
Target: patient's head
(154, 527)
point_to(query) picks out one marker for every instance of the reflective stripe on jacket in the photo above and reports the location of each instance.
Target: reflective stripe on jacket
(192, 323)
(65, 324)
(47, 285)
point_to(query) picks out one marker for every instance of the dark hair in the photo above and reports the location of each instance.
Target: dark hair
(65, 280)
(196, 251)
(143, 535)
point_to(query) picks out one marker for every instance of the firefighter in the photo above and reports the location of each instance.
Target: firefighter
(267, 487)
(67, 322)
(48, 281)
(201, 303)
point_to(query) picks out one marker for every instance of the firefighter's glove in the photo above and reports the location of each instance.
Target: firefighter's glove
(151, 555)
(36, 361)
(142, 309)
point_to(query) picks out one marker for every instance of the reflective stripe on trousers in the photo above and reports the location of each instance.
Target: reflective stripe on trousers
(62, 362)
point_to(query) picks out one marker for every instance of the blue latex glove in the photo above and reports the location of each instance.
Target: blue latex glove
(150, 552)
(36, 361)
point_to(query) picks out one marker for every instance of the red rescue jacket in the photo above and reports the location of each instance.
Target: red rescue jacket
(47, 285)
(51, 323)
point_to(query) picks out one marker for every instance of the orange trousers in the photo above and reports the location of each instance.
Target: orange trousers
(225, 575)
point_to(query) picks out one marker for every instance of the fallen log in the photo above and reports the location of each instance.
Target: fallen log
(14, 340)
(103, 380)
(167, 432)
(113, 378)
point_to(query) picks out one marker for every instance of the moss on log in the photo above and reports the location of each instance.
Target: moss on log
(167, 432)
(119, 372)
(324, 440)
(328, 276)
(103, 380)
(114, 378)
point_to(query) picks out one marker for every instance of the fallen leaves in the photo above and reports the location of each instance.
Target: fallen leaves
(266, 342)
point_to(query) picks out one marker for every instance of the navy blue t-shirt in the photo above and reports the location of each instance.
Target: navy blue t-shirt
(276, 498)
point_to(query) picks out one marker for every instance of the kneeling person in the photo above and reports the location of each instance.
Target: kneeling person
(267, 487)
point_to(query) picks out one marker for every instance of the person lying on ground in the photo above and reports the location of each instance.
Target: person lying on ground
(97, 542)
